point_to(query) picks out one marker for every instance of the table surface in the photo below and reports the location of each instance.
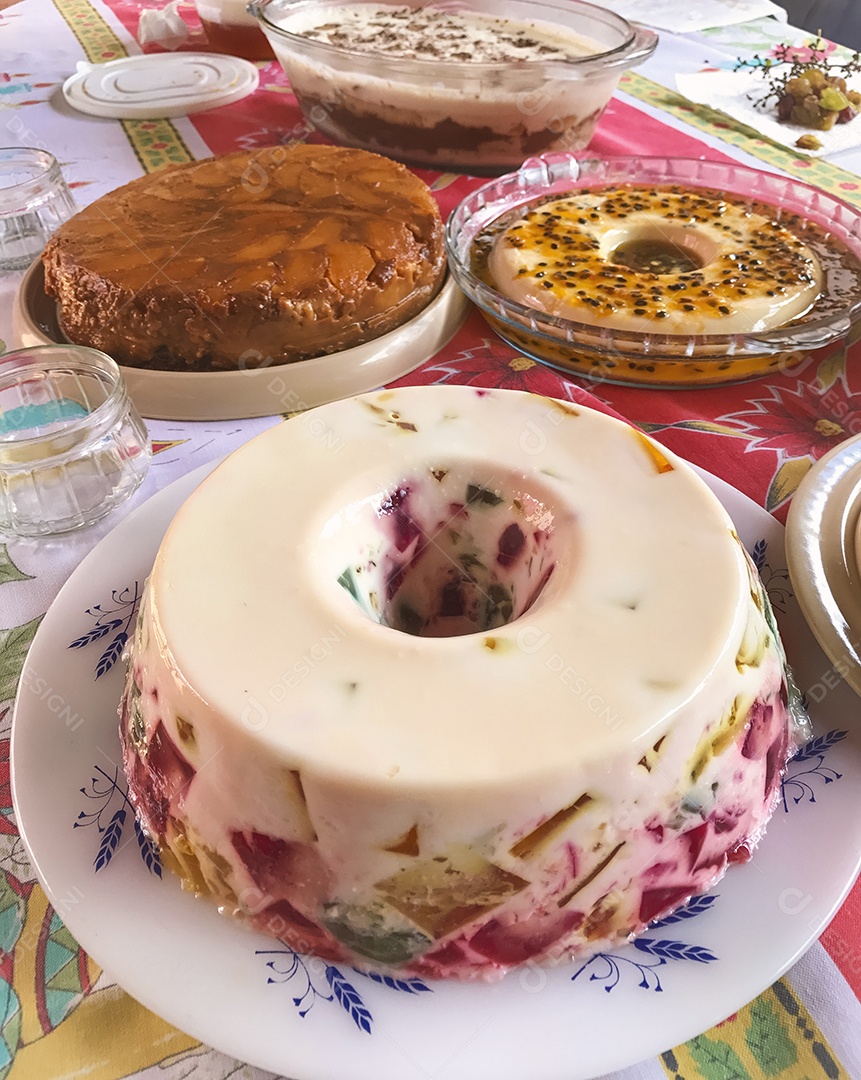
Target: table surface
(60, 1016)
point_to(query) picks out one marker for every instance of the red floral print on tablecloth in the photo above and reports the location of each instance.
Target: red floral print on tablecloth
(7, 824)
(800, 423)
(494, 365)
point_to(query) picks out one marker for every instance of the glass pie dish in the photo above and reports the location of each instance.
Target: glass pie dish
(600, 351)
(389, 77)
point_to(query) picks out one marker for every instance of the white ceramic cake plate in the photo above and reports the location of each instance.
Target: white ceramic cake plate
(238, 395)
(301, 1017)
(823, 550)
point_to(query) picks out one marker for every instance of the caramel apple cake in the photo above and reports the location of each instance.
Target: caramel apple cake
(249, 259)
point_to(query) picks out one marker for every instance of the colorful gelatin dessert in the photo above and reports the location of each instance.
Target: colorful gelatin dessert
(441, 680)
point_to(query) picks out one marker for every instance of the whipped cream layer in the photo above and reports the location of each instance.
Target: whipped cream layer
(443, 679)
(427, 33)
(733, 270)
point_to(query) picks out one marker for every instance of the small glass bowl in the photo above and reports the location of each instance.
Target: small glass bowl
(483, 118)
(651, 358)
(34, 201)
(72, 445)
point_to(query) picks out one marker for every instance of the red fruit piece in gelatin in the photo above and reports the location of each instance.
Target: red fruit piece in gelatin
(283, 921)
(451, 599)
(159, 779)
(447, 960)
(283, 869)
(262, 855)
(510, 545)
(657, 902)
(404, 527)
(406, 530)
(725, 821)
(758, 732)
(513, 943)
(693, 840)
(775, 759)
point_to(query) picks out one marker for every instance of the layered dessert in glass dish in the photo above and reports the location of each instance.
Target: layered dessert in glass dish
(471, 86)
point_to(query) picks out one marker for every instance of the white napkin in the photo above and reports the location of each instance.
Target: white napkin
(165, 27)
(728, 91)
(687, 16)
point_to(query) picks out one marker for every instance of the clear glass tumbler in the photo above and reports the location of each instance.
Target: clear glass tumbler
(72, 445)
(34, 201)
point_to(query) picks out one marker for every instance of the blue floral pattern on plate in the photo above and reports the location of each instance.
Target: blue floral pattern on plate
(797, 784)
(103, 790)
(307, 972)
(108, 619)
(607, 968)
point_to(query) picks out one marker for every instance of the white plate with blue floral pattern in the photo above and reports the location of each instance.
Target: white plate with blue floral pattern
(255, 999)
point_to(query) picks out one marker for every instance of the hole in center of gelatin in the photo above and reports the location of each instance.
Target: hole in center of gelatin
(666, 250)
(655, 255)
(449, 552)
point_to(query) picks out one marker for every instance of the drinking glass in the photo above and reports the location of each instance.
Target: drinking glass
(34, 201)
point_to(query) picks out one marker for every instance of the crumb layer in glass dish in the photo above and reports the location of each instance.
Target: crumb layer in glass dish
(440, 680)
(258, 257)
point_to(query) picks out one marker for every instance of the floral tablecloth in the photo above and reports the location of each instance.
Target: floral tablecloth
(60, 1016)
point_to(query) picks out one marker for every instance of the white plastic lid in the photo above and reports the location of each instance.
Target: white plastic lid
(159, 85)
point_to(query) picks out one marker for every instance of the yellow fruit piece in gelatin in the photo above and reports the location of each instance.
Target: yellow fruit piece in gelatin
(446, 892)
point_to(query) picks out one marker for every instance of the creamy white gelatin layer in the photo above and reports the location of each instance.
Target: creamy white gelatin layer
(444, 679)
(747, 272)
